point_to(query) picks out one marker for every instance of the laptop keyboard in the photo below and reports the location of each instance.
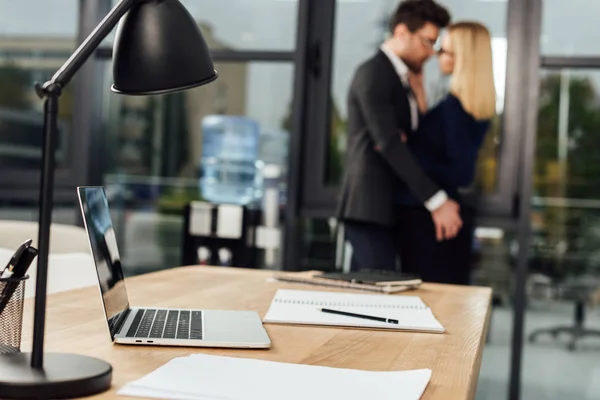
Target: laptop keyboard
(166, 324)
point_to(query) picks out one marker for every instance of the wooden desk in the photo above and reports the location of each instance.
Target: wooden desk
(75, 323)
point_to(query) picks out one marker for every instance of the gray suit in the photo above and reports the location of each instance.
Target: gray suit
(377, 160)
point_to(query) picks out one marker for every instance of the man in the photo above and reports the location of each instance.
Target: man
(381, 108)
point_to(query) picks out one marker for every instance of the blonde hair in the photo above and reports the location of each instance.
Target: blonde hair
(473, 77)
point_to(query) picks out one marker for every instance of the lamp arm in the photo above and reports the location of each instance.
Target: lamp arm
(63, 76)
(50, 91)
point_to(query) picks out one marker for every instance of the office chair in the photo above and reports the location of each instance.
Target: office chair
(578, 290)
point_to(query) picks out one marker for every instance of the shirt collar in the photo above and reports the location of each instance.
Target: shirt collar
(399, 65)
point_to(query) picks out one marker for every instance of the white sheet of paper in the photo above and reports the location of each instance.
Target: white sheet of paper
(134, 391)
(206, 377)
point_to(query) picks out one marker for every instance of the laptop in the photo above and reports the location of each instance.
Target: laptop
(157, 325)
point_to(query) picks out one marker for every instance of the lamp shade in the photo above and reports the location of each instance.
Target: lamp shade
(159, 49)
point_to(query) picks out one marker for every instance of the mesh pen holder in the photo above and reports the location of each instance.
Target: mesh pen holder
(11, 317)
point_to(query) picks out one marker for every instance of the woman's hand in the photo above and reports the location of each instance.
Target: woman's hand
(417, 85)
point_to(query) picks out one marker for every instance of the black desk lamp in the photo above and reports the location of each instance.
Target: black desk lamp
(158, 49)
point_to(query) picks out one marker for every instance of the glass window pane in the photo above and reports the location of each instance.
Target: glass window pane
(356, 41)
(570, 27)
(32, 47)
(56, 18)
(566, 157)
(244, 24)
(564, 267)
(206, 143)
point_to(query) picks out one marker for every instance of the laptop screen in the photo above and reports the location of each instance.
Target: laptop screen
(96, 217)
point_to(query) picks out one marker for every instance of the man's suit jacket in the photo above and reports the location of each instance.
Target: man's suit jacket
(376, 159)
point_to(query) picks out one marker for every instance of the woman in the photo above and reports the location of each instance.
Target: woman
(447, 144)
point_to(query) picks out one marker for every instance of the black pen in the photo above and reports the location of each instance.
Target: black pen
(349, 314)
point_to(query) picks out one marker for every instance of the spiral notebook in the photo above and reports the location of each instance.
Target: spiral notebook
(303, 307)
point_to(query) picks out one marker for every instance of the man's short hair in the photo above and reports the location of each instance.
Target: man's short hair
(415, 13)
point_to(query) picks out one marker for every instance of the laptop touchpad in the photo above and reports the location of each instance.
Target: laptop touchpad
(233, 326)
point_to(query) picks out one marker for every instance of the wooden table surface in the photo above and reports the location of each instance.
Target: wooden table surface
(75, 323)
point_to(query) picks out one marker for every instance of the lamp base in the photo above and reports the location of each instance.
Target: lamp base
(63, 376)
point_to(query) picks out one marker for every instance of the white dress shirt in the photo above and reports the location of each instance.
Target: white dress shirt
(402, 71)
(438, 199)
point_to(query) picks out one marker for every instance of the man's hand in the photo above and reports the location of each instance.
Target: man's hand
(447, 220)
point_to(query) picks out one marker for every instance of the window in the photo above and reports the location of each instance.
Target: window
(565, 221)
(570, 28)
(32, 47)
(206, 143)
(145, 128)
(245, 24)
(567, 163)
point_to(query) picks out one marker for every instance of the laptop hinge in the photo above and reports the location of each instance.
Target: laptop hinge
(121, 322)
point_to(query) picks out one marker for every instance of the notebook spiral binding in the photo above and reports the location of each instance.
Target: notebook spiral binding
(348, 304)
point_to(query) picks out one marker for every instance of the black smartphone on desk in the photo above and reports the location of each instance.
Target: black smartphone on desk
(374, 277)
